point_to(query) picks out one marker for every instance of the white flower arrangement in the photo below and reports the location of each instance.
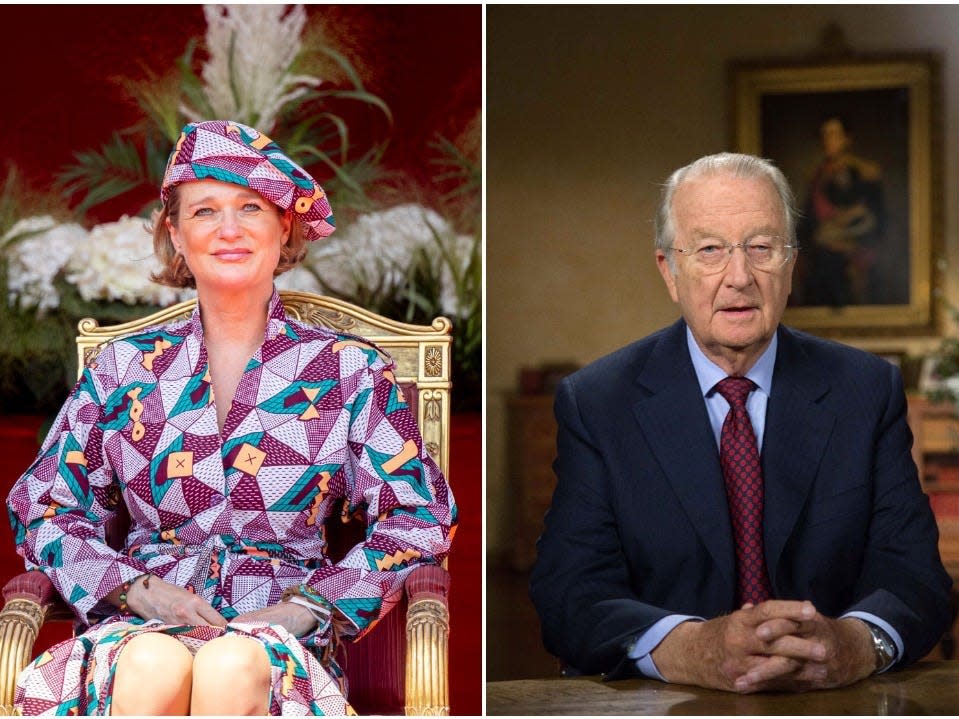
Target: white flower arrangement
(115, 261)
(377, 249)
(111, 262)
(35, 260)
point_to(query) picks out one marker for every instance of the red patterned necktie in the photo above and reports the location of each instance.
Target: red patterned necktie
(739, 458)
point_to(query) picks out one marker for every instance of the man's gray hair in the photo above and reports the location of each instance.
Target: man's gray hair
(737, 165)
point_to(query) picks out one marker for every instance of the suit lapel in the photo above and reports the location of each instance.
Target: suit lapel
(797, 430)
(674, 420)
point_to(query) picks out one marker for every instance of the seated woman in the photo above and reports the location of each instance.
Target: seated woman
(230, 437)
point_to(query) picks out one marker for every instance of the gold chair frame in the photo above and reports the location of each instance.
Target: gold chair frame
(422, 357)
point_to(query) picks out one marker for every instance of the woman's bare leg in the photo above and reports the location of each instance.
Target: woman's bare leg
(231, 675)
(154, 676)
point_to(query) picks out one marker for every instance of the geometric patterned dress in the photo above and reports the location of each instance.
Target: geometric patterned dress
(236, 518)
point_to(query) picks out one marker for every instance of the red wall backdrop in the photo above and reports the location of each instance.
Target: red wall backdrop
(59, 97)
(60, 93)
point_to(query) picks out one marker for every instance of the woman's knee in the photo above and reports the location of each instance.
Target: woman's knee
(231, 675)
(155, 656)
(232, 655)
(153, 675)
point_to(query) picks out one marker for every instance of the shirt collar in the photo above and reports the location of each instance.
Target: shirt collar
(708, 373)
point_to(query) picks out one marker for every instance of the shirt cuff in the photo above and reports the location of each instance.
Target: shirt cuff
(885, 626)
(642, 647)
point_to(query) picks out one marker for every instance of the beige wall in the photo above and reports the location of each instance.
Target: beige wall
(588, 110)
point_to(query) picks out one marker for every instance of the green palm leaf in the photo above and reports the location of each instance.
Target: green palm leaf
(103, 175)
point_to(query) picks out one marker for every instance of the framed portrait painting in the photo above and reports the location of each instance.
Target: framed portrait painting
(858, 142)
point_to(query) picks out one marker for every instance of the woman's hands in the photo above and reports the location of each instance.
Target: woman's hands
(296, 619)
(175, 605)
(171, 604)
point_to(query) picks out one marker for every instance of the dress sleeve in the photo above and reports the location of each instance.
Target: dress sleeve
(59, 506)
(409, 507)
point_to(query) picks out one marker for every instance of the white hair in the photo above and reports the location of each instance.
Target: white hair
(735, 164)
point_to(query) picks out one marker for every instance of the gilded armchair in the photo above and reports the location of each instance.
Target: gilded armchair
(402, 663)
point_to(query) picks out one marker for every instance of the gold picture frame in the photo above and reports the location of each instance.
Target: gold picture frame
(870, 228)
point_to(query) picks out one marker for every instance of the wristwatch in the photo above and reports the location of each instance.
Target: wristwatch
(885, 648)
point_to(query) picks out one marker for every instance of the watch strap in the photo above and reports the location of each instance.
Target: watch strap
(884, 647)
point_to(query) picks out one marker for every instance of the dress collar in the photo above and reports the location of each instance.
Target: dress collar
(275, 318)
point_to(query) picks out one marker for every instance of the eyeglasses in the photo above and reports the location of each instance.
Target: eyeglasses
(767, 253)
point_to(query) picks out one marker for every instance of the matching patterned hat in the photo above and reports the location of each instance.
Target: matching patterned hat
(230, 152)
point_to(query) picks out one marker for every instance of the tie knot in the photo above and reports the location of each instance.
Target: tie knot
(735, 390)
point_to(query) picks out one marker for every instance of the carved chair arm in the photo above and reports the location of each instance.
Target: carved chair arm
(29, 599)
(427, 637)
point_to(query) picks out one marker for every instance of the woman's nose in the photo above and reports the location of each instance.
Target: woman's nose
(229, 224)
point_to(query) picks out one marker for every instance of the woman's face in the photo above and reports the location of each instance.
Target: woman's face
(230, 236)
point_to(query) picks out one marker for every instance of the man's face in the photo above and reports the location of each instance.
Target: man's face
(733, 313)
(835, 141)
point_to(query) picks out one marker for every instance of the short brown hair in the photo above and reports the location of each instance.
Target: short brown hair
(173, 269)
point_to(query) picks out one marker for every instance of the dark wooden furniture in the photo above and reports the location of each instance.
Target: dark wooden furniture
(935, 428)
(924, 688)
(531, 450)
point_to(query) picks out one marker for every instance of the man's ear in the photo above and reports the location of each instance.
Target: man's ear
(662, 262)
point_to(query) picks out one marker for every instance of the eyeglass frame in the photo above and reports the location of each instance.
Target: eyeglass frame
(729, 247)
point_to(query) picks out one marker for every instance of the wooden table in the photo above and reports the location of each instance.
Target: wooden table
(925, 688)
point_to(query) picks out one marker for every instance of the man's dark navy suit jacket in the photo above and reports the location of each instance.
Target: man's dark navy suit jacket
(639, 526)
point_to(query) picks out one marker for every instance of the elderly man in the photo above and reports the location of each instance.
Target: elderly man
(737, 506)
